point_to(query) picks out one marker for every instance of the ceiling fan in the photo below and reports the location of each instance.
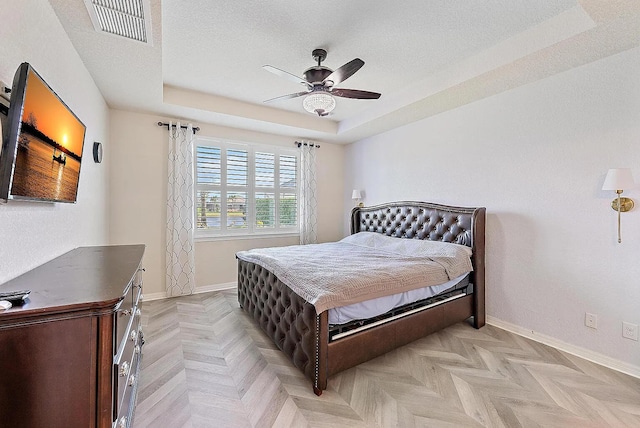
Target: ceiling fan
(320, 82)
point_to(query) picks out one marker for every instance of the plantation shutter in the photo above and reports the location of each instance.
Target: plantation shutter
(243, 189)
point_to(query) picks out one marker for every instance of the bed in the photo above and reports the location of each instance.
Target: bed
(320, 348)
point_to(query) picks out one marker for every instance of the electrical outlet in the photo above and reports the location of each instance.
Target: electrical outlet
(630, 331)
(591, 320)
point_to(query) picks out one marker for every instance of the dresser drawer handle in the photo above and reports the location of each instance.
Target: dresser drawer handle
(138, 312)
(134, 334)
(123, 422)
(132, 380)
(124, 369)
(136, 350)
(126, 312)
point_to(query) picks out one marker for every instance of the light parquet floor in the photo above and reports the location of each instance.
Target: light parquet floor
(205, 364)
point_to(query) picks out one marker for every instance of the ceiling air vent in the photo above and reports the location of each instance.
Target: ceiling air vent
(125, 18)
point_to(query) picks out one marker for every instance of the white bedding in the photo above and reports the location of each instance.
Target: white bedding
(374, 307)
(360, 267)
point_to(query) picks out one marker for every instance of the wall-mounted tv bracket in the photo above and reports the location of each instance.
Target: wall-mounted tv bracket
(5, 90)
(5, 94)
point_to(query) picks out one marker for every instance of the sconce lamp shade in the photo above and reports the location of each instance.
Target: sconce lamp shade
(356, 194)
(618, 179)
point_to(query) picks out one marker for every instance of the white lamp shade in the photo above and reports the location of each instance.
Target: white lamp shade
(619, 179)
(356, 194)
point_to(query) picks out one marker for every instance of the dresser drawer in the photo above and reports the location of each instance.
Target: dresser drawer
(125, 369)
(137, 279)
(127, 310)
(138, 300)
(123, 316)
(129, 390)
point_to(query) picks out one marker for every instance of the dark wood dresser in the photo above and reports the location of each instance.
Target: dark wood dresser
(69, 356)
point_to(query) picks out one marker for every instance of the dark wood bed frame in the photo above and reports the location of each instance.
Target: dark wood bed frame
(303, 335)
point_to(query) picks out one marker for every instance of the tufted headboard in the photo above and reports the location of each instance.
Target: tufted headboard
(435, 222)
(418, 220)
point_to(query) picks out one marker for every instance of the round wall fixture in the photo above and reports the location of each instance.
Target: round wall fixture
(97, 152)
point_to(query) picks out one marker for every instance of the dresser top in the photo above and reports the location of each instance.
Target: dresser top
(86, 278)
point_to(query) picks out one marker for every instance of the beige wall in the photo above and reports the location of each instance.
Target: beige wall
(33, 233)
(138, 153)
(215, 260)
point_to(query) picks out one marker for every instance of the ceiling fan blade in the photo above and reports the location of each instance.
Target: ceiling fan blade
(344, 72)
(286, 75)
(355, 93)
(286, 97)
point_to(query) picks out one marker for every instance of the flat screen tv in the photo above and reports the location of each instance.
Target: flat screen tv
(42, 142)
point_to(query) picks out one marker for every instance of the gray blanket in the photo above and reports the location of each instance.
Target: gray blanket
(361, 267)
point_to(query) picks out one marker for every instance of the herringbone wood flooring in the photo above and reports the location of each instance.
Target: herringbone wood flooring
(205, 364)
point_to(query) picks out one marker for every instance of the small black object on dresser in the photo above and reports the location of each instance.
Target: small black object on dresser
(14, 296)
(70, 354)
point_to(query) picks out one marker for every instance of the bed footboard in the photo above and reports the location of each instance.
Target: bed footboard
(287, 319)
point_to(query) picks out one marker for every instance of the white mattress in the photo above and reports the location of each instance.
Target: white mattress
(380, 305)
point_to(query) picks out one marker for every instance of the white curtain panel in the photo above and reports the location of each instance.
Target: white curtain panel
(308, 201)
(180, 212)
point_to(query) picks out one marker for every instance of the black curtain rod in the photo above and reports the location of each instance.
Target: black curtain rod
(195, 128)
(298, 143)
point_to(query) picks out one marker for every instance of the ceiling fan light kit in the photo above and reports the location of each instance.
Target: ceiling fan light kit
(319, 103)
(320, 82)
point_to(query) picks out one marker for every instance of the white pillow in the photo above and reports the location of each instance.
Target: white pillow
(408, 247)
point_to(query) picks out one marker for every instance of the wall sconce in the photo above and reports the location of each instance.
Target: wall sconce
(619, 179)
(357, 196)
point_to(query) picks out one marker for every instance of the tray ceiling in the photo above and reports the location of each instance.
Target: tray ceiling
(204, 60)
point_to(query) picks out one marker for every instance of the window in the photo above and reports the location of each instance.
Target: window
(245, 189)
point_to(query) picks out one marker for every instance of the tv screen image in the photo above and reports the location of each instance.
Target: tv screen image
(42, 151)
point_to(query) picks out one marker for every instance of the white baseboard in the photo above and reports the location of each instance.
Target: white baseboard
(594, 357)
(203, 289)
(154, 296)
(216, 287)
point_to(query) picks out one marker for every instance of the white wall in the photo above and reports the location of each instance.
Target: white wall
(138, 196)
(536, 157)
(33, 233)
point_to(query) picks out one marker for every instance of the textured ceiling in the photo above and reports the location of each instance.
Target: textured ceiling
(424, 56)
